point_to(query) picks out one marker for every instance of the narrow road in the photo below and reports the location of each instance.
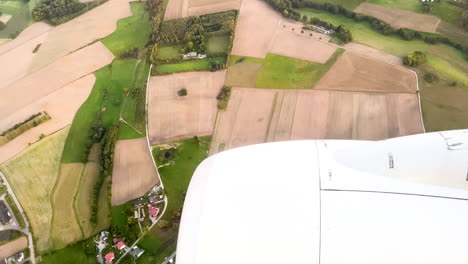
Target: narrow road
(169, 258)
(23, 215)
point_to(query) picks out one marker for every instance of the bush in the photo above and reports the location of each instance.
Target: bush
(430, 77)
(130, 53)
(2, 25)
(36, 48)
(223, 97)
(415, 59)
(182, 92)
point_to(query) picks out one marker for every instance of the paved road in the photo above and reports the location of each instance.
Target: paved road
(169, 258)
(23, 215)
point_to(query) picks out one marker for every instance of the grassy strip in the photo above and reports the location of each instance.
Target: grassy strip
(15, 210)
(193, 65)
(157, 243)
(74, 254)
(131, 32)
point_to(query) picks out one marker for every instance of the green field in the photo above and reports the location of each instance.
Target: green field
(73, 254)
(218, 44)
(281, 72)
(119, 218)
(176, 178)
(408, 5)
(448, 68)
(169, 52)
(131, 32)
(21, 16)
(193, 65)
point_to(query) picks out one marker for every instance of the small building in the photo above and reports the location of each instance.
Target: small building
(18, 257)
(5, 217)
(193, 55)
(121, 245)
(154, 212)
(136, 252)
(324, 30)
(109, 257)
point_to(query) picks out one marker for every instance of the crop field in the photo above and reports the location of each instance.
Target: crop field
(264, 115)
(32, 176)
(176, 177)
(27, 34)
(133, 173)
(69, 97)
(243, 74)
(398, 18)
(131, 32)
(353, 72)
(42, 82)
(374, 53)
(13, 247)
(172, 117)
(184, 8)
(87, 28)
(186, 66)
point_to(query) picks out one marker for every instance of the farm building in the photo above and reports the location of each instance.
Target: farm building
(136, 252)
(402, 200)
(5, 217)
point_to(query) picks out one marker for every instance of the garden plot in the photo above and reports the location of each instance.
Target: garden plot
(398, 18)
(13, 247)
(172, 117)
(134, 173)
(257, 115)
(353, 72)
(61, 105)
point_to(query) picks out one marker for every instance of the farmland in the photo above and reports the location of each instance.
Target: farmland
(172, 117)
(20, 12)
(263, 115)
(186, 66)
(184, 8)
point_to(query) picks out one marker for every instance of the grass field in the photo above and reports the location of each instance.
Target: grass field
(21, 16)
(280, 72)
(131, 32)
(193, 65)
(159, 244)
(169, 52)
(449, 69)
(218, 44)
(73, 254)
(408, 5)
(32, 175)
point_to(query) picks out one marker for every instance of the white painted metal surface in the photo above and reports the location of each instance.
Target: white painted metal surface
(403, 200)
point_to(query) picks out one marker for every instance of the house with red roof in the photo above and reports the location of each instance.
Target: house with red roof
(154, 212)
(109, 257)
(121, 245)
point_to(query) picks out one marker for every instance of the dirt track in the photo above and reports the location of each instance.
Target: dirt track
(398, 18)
(13, 247)
(172, 117)
(259, 115)
(353, 72)
(133, 173)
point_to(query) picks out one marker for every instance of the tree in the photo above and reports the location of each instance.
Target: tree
(414, 59)
(2, 25)
(163, 224)
(154, 54)
(182, 92)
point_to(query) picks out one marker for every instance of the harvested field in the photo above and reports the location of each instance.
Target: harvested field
(29, 33)
(13, 247)
(243, 74)
(184, 8)
(65, 227)
(18, 60)
(32, 175)
(4, 18)
(256, 116)
(374, 53)
(134, 173)
(87, 28)
(176, 9)
(261, 30)
(70, 97)
(172, 117)
(40, 83)
(353, 72)
(398, 18)
(255, 29)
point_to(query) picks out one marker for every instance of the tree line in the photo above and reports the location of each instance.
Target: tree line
(57, 12)
(286, 8)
